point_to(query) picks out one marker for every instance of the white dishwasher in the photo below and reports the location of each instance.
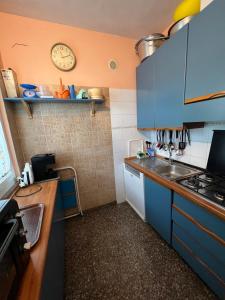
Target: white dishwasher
(134, 185)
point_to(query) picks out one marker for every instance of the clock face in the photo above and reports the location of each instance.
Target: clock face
(63, 57)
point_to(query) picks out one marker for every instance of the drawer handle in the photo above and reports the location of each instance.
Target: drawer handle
(205, 98)
(212, 234)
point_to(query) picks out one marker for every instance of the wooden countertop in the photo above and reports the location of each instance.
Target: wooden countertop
(179, 189)
(31, 283)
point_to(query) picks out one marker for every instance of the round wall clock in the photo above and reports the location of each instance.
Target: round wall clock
(63, 57)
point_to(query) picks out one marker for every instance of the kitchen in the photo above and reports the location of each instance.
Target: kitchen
(112, 147)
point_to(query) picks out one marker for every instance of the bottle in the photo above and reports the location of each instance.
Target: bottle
(72, 92)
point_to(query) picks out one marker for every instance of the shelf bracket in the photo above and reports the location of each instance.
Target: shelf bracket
(27, 108)
(93, 111)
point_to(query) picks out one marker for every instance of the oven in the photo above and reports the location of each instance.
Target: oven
(13, 255)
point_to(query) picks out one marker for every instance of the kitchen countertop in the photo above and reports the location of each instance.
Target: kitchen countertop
(145, 166)
(31, 283)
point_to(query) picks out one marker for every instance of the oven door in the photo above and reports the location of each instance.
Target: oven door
(8, 273)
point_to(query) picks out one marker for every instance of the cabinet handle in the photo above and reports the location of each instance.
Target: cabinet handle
(210, 233)
(205, 98)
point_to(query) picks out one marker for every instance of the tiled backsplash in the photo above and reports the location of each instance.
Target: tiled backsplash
(198, 152)
(79, 140)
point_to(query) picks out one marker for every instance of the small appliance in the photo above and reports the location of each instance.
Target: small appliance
(42, 165)
(14, 249)
(211, 182)
(29, 91)
(10, 82)
(27, 176)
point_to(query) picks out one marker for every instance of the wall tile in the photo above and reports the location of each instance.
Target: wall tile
(78, 140)
(124, 128)
(122, 95)
(123, 108)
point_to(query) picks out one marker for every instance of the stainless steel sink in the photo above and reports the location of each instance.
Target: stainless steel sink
(174, 171)
(163, 168)
(32, 216)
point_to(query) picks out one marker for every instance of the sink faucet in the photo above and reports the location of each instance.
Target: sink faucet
(170, 149)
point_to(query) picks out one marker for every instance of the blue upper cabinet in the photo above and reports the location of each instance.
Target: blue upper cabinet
(146, 94)
(206, 64)
(170, 81)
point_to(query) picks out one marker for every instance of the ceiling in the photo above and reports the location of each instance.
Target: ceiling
(130, 18)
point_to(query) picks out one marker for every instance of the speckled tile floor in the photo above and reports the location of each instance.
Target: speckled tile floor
(111, 254)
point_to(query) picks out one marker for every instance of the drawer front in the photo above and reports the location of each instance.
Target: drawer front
(196, 230)
(208, 257)
(199, 267)
(201, 215)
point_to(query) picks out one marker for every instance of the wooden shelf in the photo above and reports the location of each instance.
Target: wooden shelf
(26, 102)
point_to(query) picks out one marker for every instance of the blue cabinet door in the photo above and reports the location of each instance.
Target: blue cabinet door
(170, 81)
(158, 202)
(206, 64)
(216, 284)
(146, 94)
(53, 279)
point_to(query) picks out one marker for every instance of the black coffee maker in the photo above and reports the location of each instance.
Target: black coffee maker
(42, 165)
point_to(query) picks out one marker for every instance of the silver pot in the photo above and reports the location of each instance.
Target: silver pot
(178, 25)
(146, 46)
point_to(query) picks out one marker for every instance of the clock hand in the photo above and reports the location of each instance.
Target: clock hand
(65, 56)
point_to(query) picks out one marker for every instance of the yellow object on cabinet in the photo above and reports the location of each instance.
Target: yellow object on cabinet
(187, 8)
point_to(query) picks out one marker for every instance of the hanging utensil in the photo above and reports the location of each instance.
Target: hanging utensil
(188, 133)
(165, 143)
(158, 138)
(182, 144)
(163, 137)
(171, 144)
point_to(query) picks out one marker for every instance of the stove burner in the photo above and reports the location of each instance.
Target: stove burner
(207, 177)
(193, 182)
(219, 196)
(208, 185)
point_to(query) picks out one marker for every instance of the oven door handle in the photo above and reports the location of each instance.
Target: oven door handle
(9, 237)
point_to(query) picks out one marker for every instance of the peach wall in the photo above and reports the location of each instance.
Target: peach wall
(93, 50)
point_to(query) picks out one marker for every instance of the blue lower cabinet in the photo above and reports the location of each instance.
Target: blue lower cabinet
(201, 215)
(199, 237)
(199, 267)
(53, 279)
(209, 258)
(158, 201)
(198, 233)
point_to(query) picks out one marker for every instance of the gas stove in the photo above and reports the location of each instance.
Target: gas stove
(208, 185)
(211, 183)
